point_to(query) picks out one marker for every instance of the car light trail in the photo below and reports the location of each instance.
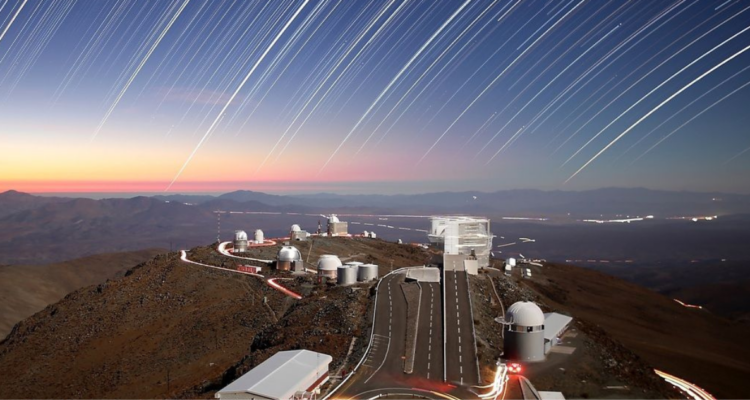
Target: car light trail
(690, 389)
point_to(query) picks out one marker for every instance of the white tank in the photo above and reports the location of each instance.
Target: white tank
(367, 272)
(296, 228)
(259, 236)
(327, 265)
(354, 263)
(511, 261)
(347, 275)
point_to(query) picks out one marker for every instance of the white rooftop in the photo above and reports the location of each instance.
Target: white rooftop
(554, 324)
(277, 377)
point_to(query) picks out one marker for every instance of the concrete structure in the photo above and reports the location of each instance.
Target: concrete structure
(346, 275)
(289, 259)
(328, 265)
(464, 236)
(526, 272)
(259, 236)
(367, 272)
(508, 269)
(427, 274)
(337, 227)
(240, 241)
(286, 375)
(555, 324)
(524, 335)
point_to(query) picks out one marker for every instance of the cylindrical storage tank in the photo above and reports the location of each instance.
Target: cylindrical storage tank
(328, 265)
(354, 263)
(258, 236)
(524, 338)
(511, 261)
(347, 275)
(367, 272)
(286, 256)
(240, 241)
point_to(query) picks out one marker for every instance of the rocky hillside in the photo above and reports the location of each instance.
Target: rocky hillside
(692, 344)
(26, 289)
(171, 329)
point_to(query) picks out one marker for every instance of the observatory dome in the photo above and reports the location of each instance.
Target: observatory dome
(525, 313)
(240, 235)
(328, 262)
(289, 253)
(296, 228)
(333, 219)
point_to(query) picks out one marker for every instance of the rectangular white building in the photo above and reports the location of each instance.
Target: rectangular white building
(286, 375)
(463, 236)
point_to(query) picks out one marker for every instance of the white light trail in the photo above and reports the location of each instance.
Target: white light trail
(249, 74)
(656, 88)
(691, 120)
(2, 35)
(662, 104)
(496, 79)
(138, 69)
(396, 78)
(514, 137)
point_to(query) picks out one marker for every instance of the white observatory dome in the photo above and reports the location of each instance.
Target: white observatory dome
(289, 253)
(296, 228)
(328, 262)
(525, 313)
(259, 236)
(240, 235)
(333, 218)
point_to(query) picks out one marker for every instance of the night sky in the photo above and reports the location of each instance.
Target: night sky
(383, 96)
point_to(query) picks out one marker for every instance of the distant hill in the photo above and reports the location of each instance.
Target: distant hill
(64, 230)
(13, 201)
(26, 289)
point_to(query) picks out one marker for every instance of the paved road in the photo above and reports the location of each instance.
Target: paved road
(461, 365)
(428, 358)
(384, 365)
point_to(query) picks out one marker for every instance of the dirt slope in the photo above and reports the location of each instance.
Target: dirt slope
(702, 348)
(26, 289)
(172, 329)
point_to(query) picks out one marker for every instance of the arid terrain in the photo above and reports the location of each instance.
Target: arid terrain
(27, 289)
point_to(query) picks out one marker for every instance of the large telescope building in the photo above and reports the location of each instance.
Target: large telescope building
(466, 242)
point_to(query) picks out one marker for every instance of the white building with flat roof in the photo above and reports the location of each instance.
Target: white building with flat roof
(286, 375)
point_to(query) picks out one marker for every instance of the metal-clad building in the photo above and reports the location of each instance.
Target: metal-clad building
(467, 236)
(283, 376)
(287, 258)
(524, 335)
(328, 265)
(240, 242)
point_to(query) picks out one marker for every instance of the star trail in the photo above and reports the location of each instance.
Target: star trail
(472, 94)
